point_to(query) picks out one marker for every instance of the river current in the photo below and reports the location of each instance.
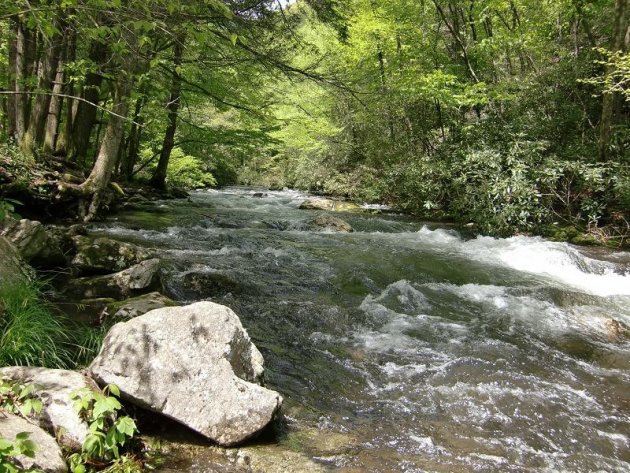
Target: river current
(431, 351)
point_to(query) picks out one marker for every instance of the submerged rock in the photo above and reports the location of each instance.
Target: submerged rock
(195, 364)
(104, 255)
(202, 284)
(54, 388)
(328, 222)
(48, 456)
(120, 311)
(34, 243)
(141, 278)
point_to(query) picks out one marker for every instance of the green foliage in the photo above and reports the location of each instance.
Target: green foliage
(22, 445)
(188, 171)
(31, 333)
(7, 208)
(110, 445)
(17, 398)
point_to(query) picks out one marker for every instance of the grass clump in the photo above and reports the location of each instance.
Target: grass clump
(31, 333)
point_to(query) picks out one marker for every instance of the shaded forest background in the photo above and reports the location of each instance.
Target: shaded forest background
(512, 114)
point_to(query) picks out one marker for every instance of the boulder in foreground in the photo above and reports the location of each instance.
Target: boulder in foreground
(54, 389)
(195, 364)
(48, 456)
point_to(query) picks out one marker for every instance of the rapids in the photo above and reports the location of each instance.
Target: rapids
(429, 350)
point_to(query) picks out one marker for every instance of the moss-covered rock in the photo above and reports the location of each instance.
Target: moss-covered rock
(119, 311)
(105, 255)
(139, 279)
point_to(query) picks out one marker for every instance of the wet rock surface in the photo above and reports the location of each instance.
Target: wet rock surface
(140, 278)
(326, 222)
(105, 255)
(195, 364)
(121, 311)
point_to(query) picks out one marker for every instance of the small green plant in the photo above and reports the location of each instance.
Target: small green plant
(22, 445)
(7, 208)
(110, 445)
(17, 398)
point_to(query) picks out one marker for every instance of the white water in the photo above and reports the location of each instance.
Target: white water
(436, 352)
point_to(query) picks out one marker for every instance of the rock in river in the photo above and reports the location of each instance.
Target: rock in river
(104, 255)
(54, 388)
(120, 311)
(141, 278)
(320, 203)
(48, 457)
(328, 222)
(33, 242)
(195, 364)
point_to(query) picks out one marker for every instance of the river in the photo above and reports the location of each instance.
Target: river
(426, 350)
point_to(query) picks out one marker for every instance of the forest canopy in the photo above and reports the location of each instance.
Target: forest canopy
(512, 114)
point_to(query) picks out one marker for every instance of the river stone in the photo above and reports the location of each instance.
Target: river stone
(140, 278)
(54, 389)
(48, 456)
(33, 242)
(320, 203)
(12, 268)
(135, 307)
(104, 255)
(195, 364)
(328, 222)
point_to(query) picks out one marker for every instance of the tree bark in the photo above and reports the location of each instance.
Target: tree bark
(21, 100)
(65, 135)
(96, 183)
(47, 71)
(159, 177)
(133, 144)
(620, 28)
(85, 116)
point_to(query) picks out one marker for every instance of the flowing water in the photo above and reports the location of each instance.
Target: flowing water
(426, 350)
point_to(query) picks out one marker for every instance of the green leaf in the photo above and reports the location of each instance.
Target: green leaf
(126, 425)
(233, 38)
(113, 389)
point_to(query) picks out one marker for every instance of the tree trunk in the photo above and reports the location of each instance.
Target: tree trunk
(64, 136)
(85, 116)
(159, 177)
(620, 28)
(54, 112)
(133, 144)
(47, 71)
(96, 183)
(21, 40)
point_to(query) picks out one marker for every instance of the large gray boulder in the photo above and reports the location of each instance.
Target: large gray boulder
(104, 255)
(48, 456)
(12, 268)
(195, 364)
(140, 278)
(33, 242)
(54, 389)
